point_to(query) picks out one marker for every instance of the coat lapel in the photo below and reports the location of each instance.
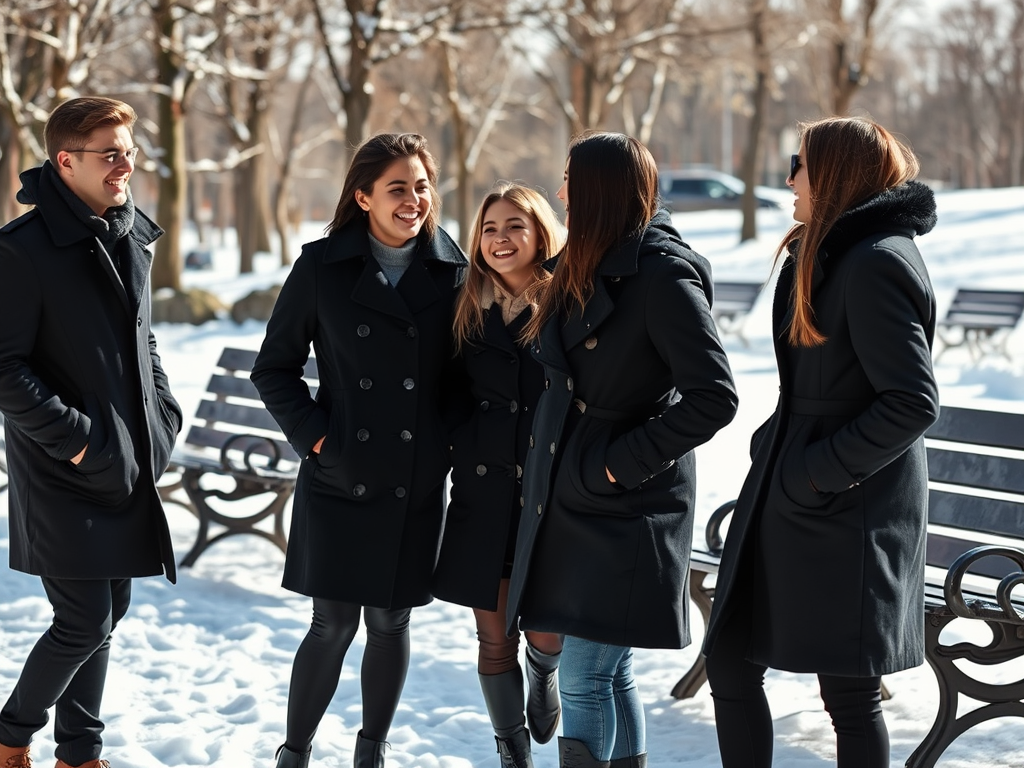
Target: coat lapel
(373, 290)
(417, 288)
(580, 327)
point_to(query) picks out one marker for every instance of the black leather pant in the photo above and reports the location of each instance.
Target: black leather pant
(744, 722)
(67, 669)
(318, 661)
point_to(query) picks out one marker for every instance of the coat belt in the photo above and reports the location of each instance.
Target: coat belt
(805, 406)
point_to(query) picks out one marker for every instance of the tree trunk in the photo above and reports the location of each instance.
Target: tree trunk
(459, 143)
(752, 152)
(252, 209)
(172, 186)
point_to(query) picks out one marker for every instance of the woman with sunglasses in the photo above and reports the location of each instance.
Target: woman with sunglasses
(832, 514)
(635, 378)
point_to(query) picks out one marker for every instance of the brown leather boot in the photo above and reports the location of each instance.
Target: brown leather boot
(91, 764)
(14, 757)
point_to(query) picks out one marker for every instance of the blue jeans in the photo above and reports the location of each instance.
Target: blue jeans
(600, 701)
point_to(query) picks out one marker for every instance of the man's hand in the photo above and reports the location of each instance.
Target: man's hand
(78, 459)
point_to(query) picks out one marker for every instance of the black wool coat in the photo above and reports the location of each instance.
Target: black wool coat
(827, 539)
(368, 509)
(78, 366)
(606, 562)
(488, 454)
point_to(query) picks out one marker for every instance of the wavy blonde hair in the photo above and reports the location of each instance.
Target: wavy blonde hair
(469, 315)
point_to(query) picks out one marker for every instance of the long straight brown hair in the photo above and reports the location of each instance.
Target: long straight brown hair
(469, 314)
(612, 192)
(848, 160)
(371, 160)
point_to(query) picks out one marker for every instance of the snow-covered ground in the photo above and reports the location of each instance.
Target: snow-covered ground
(199, 672)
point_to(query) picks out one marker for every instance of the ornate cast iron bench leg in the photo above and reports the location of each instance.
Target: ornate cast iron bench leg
(697, 675)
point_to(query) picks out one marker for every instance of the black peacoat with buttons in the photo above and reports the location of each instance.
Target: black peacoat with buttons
(634, 384)
(826, 544)
(368, 509)
(79, 367)
(488, 454)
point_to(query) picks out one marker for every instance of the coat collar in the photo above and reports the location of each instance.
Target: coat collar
(64, 227)
(353, 240)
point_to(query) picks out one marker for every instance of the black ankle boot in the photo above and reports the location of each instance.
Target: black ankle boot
(542, 707)
(633, 761)
(515, 750)
(369, 753)
(576, 754)
(503, 695)
(287, 758)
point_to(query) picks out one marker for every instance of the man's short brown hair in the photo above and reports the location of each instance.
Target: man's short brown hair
(70, 124)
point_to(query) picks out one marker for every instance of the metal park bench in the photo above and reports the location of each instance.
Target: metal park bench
(975, 557)
(981, 321)
(235, 437)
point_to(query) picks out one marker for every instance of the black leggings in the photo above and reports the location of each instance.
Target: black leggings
(744, 722)
(318, 661)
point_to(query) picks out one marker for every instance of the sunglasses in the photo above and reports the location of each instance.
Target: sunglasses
(794, 166)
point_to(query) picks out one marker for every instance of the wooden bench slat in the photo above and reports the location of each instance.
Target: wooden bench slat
(990, 473)
(225, 385)
(206, 437)
(974, 427)
(238, 415)
(242, 360)
(997, 517)
(943, 550)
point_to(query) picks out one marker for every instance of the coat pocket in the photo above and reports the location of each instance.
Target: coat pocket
(582, 484)
(108, 472)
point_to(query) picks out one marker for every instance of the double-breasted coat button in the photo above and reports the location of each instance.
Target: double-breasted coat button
(363, 435)
(408, 383)
(363, 331)
(513, 406)
(552, 449)
(519, 471)
(406, 435)
(400, 492)
(484, 405)
(616, 279)
(481, 470)
(547, 383)
(568, 383)
(522, 501)
(540, 508)
(531, 441)
(410, 332)
(591, 342)
(359, 489)
(365, 383)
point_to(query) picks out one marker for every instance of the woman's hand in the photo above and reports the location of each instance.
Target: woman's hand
(611, 477)
(78, 459)
(318, 444)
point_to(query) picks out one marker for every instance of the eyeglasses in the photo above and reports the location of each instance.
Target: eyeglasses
(794, 166)
(112, 156)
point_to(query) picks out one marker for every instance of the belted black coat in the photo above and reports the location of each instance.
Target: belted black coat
(78, 366)
(606, 562)
(488, 454)
(367, 510)
(826, 544)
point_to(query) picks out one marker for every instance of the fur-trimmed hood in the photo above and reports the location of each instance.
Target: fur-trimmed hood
(909, 208)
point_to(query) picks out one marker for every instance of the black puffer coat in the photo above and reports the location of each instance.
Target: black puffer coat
(78, 366)
(607, 562)
(835, 570)
(368, 509)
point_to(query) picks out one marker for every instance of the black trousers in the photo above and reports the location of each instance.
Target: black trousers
(318, 661)
(67, 669)
(744, 722)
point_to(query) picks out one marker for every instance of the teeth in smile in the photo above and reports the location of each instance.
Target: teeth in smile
(503, 253)
(408, 216)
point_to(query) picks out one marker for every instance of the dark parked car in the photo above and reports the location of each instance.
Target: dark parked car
(702, 190)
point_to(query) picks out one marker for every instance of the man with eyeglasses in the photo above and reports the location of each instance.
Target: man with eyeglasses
(90, 421)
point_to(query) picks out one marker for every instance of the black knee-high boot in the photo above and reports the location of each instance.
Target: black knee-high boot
(543, 707)
(287, 758)
(503, 695)
(369, 753)
(576, 754)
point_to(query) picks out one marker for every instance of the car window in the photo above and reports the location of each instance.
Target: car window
(686, 187)
(718, 190)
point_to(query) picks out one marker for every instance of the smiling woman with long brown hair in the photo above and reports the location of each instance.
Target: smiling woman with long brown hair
(635, 379)
(834, 507)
